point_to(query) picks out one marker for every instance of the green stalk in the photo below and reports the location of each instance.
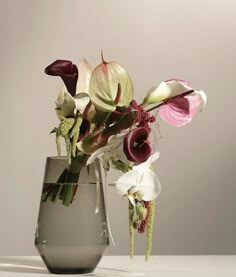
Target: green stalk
(68, 195)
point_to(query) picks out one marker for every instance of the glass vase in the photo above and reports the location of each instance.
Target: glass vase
(72, 230)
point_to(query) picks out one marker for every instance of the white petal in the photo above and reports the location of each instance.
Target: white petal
(66, 102)
(122, 188)
(118, 139)
(149, 185)
(149, 161)
(203, 96)
(81, 101)
(130, 177)
(164, 91)
(97, 154)
(85, 71)
(126, 181)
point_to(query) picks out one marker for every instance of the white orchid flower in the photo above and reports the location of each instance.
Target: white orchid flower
(140, 183)
(67, 105)
(112, 151)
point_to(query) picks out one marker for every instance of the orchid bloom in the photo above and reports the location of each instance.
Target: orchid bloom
(112, 151)
(140, 183)
(176, 109)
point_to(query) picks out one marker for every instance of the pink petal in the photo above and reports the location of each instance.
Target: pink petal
(180, 111)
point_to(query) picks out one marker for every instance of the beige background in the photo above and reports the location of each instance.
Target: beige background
(154, 41)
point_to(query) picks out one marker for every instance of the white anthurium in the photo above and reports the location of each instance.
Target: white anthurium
(81, 101)
(112, 151)
(85, 71)
(82, 97)
(170, 88)
(65, 103)
(141, 182)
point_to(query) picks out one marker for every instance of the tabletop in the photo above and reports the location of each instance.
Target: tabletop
(112, 266)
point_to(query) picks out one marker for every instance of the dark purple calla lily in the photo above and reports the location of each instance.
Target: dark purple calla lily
(67, 71)
(136, 146)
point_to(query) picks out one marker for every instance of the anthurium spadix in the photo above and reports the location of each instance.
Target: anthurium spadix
(178, 101)
(110, 86)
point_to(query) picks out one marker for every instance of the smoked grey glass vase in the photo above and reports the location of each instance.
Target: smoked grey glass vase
(72, 230)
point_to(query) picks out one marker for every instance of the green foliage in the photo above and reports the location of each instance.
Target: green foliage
(65, 126)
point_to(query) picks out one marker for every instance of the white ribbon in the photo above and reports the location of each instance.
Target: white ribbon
(103, 179)
(98, 196)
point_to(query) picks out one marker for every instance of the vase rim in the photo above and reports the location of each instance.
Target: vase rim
(57, 158)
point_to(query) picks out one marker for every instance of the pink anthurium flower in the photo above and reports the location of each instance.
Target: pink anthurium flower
(178, 101)
(180, 111)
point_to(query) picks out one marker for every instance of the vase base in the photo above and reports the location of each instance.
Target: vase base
(71, 259)
(70, 270)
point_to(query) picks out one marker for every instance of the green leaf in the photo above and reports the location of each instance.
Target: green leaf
(110, 86)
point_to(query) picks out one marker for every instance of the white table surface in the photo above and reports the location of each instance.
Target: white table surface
(157, 266)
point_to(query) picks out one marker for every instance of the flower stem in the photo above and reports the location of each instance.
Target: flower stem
(170, 99)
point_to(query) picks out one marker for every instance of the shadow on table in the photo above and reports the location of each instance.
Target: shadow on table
(29, 265)
(23, 265)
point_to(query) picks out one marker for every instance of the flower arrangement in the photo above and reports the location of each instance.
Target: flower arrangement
(99, 119)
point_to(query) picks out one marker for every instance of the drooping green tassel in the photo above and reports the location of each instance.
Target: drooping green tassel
(64, 131)
(68, 148)
(131, 231)
(58, 143)
(75, 134)
(150, 229)
(65, 126)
